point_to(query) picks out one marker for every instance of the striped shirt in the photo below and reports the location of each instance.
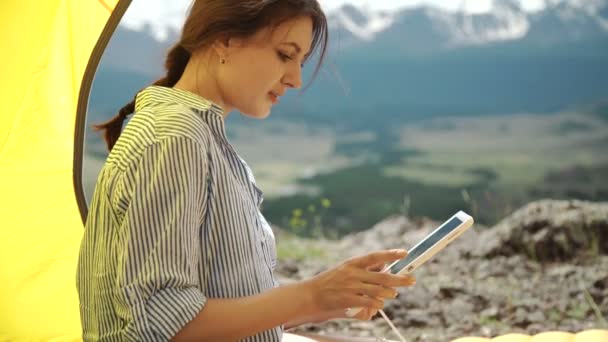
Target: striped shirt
(174, 220)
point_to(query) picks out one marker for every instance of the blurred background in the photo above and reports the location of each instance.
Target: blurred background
(422, 108)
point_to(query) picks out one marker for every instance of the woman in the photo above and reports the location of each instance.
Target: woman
(175, 247)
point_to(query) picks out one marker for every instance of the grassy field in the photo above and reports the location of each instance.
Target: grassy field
(488, 165)
(279, 154)
(519, 149)
(282, 153)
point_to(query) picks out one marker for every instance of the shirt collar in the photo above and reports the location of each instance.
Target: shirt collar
(212, 113)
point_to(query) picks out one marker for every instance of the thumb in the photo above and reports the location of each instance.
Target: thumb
(375, 258)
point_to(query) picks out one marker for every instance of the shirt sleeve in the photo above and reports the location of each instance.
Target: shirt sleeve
(159, 241)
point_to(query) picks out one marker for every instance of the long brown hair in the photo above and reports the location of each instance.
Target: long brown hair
(210, 20)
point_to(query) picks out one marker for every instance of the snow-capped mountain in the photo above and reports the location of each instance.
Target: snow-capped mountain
(162, 19)
(570, 20)
(362, 24)
(506, 21)
(425, 29)
(424, 60)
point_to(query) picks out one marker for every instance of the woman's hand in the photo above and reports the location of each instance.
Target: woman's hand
(367, 313)
(356, 283)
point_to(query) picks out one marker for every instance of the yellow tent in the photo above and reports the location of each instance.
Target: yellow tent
(50, 52)
(48, 48)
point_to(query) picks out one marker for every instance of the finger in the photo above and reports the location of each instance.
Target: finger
(378, 257)
(377, 267)
(385, 279)
(361, 314)
(365, 314)
(377, 291)
(329, 315)
(357, 301)
(371, 313)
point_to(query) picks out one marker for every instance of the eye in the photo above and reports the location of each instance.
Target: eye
(285, 57)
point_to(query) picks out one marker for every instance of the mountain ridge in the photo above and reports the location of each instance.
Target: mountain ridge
(415, 65)
(506, 21)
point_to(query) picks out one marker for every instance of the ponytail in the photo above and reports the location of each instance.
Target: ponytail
(210, 20)
(176, 62)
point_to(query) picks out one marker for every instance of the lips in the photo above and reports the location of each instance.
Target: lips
(274, 96)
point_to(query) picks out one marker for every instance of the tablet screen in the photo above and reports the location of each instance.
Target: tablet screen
(427, 243)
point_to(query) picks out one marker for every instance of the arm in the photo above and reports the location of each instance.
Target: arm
(290, 304)
(321, 317)
(297, 303)
(157, 244)
(365, 314)
(315, 318)
(158, 257)
(248, 315)
(307, 337)
(157, 250)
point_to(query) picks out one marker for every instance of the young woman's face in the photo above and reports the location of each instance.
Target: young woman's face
(261, 69)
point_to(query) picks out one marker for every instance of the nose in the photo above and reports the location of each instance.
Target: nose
(293, 77)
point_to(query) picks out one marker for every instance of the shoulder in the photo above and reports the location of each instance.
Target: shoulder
(177, 120)
(169, 125)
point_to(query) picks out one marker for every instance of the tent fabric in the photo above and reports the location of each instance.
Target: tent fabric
(51, 49)
(548, 336)
(46, 48)
(592, 335)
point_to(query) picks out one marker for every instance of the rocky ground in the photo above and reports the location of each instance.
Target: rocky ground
(543, 268)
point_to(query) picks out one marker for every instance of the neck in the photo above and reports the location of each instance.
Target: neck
(198, 79)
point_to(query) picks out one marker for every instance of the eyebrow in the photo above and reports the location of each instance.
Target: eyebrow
(296, 46)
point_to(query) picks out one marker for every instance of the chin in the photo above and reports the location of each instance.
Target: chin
(258, 114)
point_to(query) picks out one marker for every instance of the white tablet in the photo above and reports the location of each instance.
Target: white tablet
(428, 247)
(432, 243)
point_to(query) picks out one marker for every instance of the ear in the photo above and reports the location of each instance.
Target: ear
(220, 46)
(223, 46)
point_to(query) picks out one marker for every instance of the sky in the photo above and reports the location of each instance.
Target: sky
(170, 13)
(472, 6)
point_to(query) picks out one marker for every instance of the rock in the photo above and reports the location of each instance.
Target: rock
(562, 271)
(601, 283)
(480, 302)
(521, 318)
(487, 268)
(449, 292)
(418, 318)
(536, 316)
(288, 268)
(549, 231)
(457, 310)
(411, 298)
(536, 328)
(527, 274)
(387, 234)
(491, 312)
